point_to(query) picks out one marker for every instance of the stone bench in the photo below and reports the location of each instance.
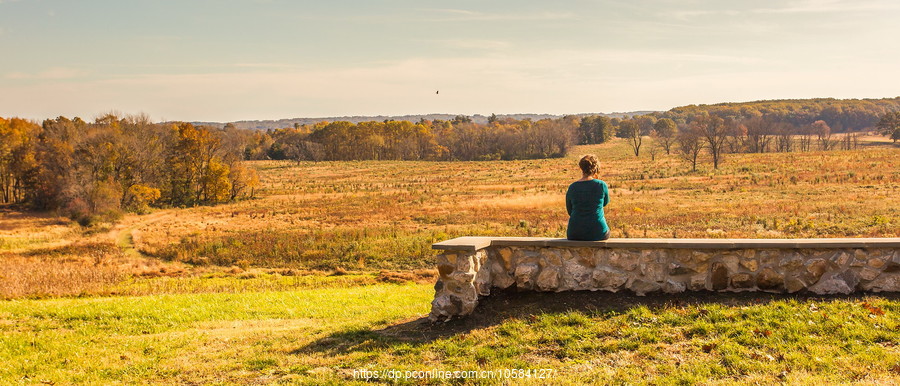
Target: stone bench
(470, 267)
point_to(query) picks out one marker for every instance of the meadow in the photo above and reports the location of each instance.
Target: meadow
(328, 271)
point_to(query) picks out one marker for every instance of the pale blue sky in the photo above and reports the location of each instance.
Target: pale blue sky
(269, 59)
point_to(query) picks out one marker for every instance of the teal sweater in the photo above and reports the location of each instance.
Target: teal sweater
(584, 202)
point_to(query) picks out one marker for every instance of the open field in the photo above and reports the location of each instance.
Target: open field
(328, 271)
(384, 215)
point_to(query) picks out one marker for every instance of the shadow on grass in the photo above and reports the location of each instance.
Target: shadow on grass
(510, 304)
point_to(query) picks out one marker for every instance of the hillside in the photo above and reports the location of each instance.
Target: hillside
(477, 118)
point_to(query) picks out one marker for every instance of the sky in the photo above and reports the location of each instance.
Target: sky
(228, 60)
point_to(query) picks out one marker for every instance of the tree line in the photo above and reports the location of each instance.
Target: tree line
(94, 170)
(456, 139)
(128, 163)
(718, 135)
(841, 115)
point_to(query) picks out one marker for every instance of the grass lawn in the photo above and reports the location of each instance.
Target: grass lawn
(323, 335)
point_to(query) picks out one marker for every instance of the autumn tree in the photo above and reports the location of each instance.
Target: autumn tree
(760, 130)
(715, 132)
(823, 134)
(666, 131)
(690, 144)
(784, 137)
(889, 125)
(17, 157)
(804, 137)
(197, 173)
(632, 132)
(594, 129)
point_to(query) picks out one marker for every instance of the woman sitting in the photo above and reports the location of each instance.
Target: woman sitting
(585, 200)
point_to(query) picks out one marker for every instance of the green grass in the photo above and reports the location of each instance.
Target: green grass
(202, 337)
(244, 282)
(322, 335)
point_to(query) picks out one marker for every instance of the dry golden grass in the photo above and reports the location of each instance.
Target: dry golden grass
(23, 231)
(384, 214)
(60, 273)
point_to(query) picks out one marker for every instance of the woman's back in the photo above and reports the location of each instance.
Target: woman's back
(584, 203)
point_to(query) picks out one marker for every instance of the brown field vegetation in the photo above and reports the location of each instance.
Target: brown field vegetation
(384, 215)
(371, 216)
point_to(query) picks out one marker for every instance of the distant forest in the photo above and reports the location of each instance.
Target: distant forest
(92, 170)
(751, 127)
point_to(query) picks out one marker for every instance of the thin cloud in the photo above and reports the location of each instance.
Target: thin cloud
(686, 15)
(56, 73)
(829, 6)
(484, 44)
(467, 15)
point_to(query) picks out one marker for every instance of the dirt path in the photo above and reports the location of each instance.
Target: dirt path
(122, 233)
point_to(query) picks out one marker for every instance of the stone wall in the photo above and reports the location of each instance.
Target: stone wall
(467, 274)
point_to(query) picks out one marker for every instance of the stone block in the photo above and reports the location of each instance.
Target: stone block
(886, 282)
(652, 271)
(585, 257)
(841, 258)
(698, 282)
(676, 269)
(794, 284)
(673, 287)
(850, 277)
(551, 259)
(506, 257)
(525, 275)
(893, 263)
(608, 280)
(773, 258)
(465, 263)
(483, 281)
(601, 257)
(700, 257)
(565, 254)
(462, 277)
(869, 274)
(548, 280)
(623, 260)
(750, 264)
(769, 279)
(815, 269)
(503, 281)
(831, 286)
(446, 269)
(732, 262)
(791, 263)
(451, 258)
(875, 263)
(742, 281)
(682, 256)
(444, 308)
(576, 276)
(525, 256)
(718, 276)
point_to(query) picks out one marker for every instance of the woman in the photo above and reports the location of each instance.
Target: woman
(585, 200)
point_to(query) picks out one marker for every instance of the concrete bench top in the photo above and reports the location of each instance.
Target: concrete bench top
(476, 243)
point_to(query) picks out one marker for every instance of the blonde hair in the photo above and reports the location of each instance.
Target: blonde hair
(589, 164)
